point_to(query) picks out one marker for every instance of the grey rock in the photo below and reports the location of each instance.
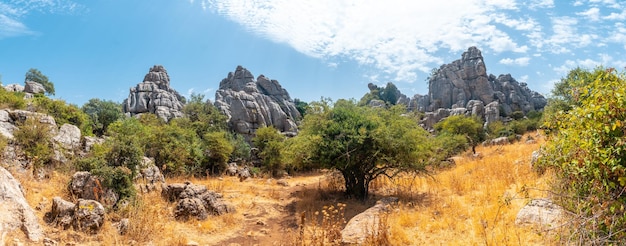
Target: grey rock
(535, 157)
(14, 88)
(194, 201)
(7, 127)
(250, 104)
(376, 103)
(243, 174)
(150, 175)
(15, 212)
(20, 116)
(476, 108)
(154, 95)
(540, 212)
(61, 214)
(431, 118)
(68, 137)
(497, 141)
(89, 142)
(86, 186)
(361, 226)
(122, 226)
(88, 216)
(492, 113)
(231, 169)
(33, 87)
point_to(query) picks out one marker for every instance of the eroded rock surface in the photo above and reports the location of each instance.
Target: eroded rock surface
(361, 226)
(251, 104)
(15, 212)
(194, 201)
(540, 212)
(154, 95)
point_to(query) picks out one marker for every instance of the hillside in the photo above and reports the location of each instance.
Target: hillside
(473, 202)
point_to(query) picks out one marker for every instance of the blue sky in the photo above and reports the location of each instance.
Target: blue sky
(101, 48)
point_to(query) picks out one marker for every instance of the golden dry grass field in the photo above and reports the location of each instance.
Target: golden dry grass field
(471, 203)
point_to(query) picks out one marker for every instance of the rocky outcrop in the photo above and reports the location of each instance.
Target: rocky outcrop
(194, 201)
(33, 87)
(148, 176)
(68, 137)
(86, 186)
(540, 212)
(251, 104)
(464, 83)
(363, 225)
(85, 215)
(154, 95)
(15, 213)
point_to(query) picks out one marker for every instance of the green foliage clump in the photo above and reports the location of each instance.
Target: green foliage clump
(469, 127)
(12, 100)
(36, 76)
(203, 116)
(362, 143)
(586, 150)
(34, 137)
(64, 113)
(301, 106)
(269, 141)
(218, 149)
(388, 94)
(102, 113)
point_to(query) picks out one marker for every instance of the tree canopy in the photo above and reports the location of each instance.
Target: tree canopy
(469, 127)
(36, 76)
(363, 143)
(102, 113)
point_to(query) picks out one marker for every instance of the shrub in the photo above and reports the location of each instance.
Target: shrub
(13, 100)
(270, 143)
(34, 137)
(64, 113)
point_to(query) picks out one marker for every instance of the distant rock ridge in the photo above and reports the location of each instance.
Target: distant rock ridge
(251, 104)
(154, 95)
(463, 87)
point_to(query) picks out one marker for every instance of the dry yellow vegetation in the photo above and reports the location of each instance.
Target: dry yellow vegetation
(471, 203)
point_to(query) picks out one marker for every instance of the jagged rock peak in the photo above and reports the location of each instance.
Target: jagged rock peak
(251, 104)
(154, 95)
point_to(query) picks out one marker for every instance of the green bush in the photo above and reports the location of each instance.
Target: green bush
(586, 150)
(218, 150)
(270, 144)
(34, 137)
(64, 113)
(12, 100)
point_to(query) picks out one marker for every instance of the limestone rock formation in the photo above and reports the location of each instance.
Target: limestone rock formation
(154, 95)
(454, 85)
(86, 186)
(194, 201)
(541, 212)
(361, 226)
(34, 87)
(15, 213)
(68, 137)
(251, 104)
(61, 214)
(148, 176)
(88, 216)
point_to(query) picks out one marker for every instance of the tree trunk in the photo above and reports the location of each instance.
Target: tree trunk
(356, 184)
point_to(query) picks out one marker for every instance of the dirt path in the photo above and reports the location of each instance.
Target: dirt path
(272, 213)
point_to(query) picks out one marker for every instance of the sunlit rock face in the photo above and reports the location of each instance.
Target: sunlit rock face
(154, 95)
(251, 104)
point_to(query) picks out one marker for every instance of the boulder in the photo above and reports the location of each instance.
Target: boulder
(540, 212)
(497, 141)
(150, 174)
(492, 113)
(243, 173)
(15, 212)
(361, 226)
(231, 169)
(7, 127)
(89, 142)
(61, 214)
(194, 201)
(88, 216)
(68, 137)
(14, 88)
(86, 186)
(251, 104)
(34, 87)
(154, 95)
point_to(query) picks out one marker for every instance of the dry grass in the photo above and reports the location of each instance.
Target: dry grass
(473, 203)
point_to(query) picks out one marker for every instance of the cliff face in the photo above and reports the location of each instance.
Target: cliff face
(154, 95)
(251, 104)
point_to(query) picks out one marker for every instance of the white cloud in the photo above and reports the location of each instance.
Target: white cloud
(541, 4)
(13, 12)
(397, 37)
(522, 61)
(593, 14)
(616, 16)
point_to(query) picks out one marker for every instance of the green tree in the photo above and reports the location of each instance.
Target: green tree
(203, 116)
(389, 94)
(218, 149)
(64, 113)
(586, 150)
(301, 106)
(36, 76)
(269, 141)
(364, 143)
(469, 127)
(102, 113)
